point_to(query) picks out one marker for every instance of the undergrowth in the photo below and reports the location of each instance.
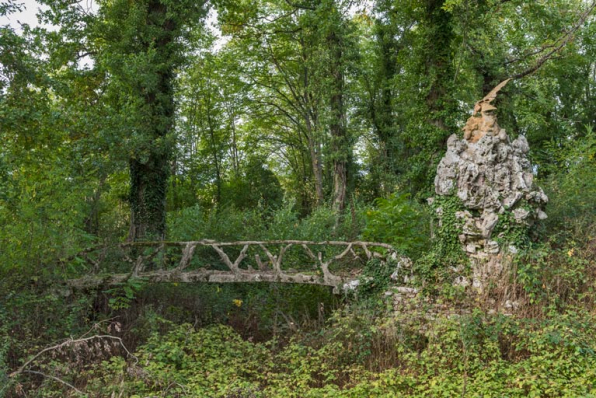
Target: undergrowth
(359, 356)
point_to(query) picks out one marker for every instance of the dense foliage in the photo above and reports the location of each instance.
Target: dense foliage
(313, 120)
(474, 355)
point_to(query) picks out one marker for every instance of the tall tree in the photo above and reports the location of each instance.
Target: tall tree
(340, 51)
(386, 35)
(210, 103)
(299, 60)
(434, 118)
(144, 45)
(281, 64)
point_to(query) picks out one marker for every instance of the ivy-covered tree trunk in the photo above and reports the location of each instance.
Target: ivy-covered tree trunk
(389, 38)
(438, 62)
(384, 122)
(148, 187)
(140, 45)
(436, 106)
(149, 172)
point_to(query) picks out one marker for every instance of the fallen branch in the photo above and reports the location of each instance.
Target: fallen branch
(23, 369)
(56, 379)
(66, 343)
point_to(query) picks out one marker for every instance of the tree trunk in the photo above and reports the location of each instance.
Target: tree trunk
(382, 116)
(235, 157)
(310, 122)
(148, 198)
(216, 160)
(317, 166)
(339, 140)
(149, 175)
(438, 63)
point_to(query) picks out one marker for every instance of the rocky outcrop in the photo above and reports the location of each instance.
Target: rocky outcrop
(492, 177)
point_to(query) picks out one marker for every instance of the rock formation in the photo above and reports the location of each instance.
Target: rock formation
(492, 177)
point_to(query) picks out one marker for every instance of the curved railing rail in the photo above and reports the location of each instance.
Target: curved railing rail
(241, 261)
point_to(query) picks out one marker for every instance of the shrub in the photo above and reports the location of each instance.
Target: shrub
(400, 222)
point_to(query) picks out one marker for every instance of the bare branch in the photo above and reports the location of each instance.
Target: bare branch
(187, 255)
(224, 257)
(67, 343)
(23, 369)
(56, 379)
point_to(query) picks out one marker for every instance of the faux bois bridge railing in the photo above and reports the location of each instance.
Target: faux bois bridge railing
(327, 263)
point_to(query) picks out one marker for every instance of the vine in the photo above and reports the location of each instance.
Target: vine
(446, 249)
(508, 231)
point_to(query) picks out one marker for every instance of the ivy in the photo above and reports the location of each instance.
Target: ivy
(376, 277)
(448, 226)
(446, 250)
(508, 231)
(123, 294)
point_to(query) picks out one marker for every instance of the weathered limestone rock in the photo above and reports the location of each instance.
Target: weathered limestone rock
(492, 177)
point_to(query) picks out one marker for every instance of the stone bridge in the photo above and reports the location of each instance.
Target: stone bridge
(327, 263)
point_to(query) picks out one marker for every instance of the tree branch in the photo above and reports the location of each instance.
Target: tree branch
(23, 368)
(563, 41)
(70, 341)
(56, 379)
(300, 6)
